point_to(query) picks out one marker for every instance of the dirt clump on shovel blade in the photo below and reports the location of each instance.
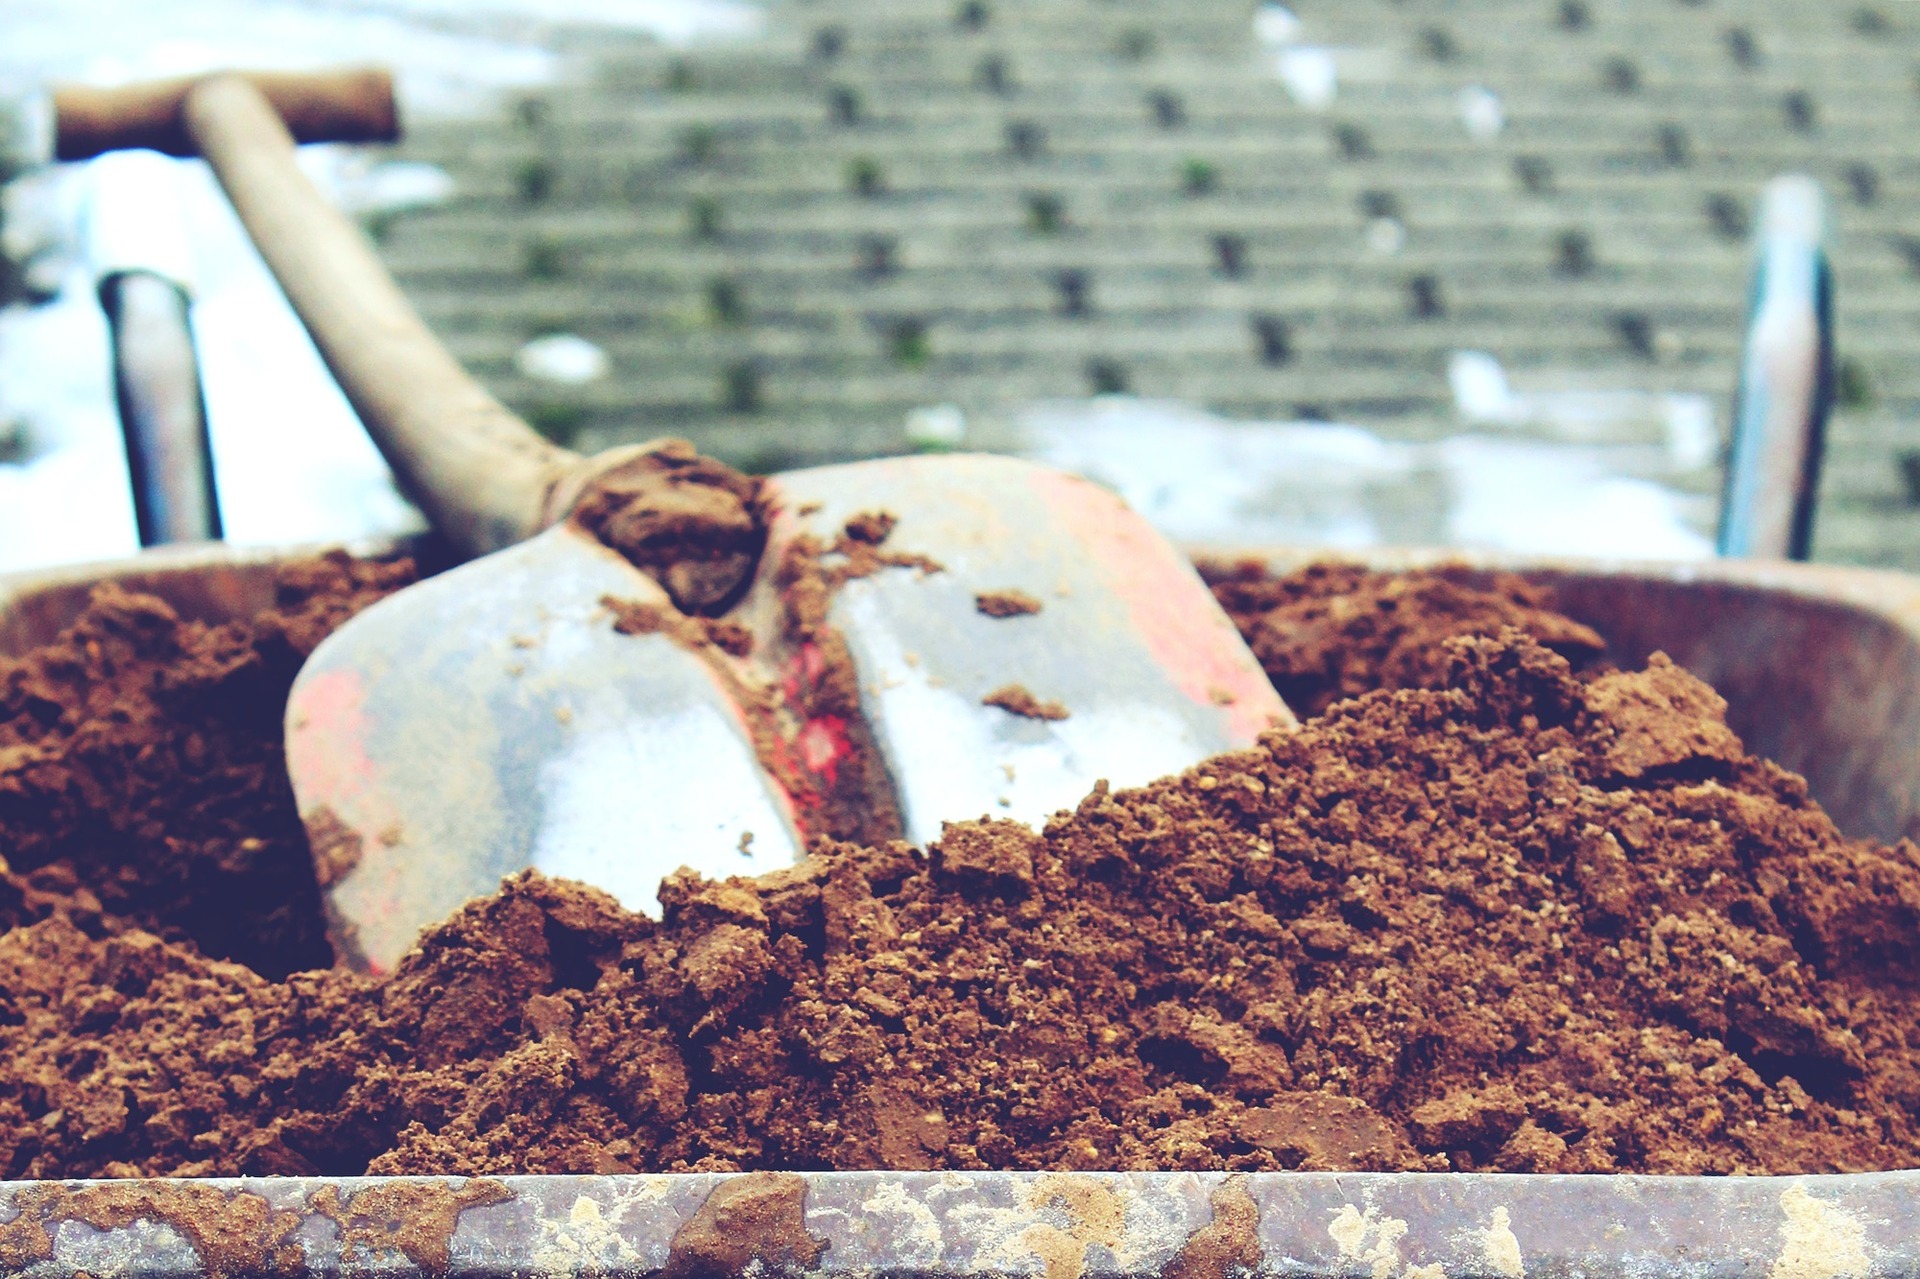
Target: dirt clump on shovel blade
(695, 525)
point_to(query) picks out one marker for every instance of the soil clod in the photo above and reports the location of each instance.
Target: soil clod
(1007, 603)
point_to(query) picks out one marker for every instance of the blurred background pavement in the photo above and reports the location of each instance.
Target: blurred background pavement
(1330, 273)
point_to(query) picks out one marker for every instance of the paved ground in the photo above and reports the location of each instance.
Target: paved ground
(1504, 243)
(788, 246)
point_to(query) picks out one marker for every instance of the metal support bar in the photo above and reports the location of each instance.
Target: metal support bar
(1786, 381)
(156, 384)
(141, 252)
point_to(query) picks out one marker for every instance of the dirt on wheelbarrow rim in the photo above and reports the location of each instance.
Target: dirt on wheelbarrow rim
(1497, 912)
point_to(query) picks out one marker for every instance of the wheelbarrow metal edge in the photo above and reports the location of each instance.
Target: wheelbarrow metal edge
(952, 1225)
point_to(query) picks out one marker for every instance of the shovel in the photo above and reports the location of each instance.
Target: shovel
(899, 643)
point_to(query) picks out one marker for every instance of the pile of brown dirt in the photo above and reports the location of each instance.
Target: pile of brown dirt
(1513, 917)
(1332, 631)
(141, 771)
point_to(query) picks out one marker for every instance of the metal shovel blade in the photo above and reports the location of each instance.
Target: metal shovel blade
(490, 719)
(1131, 671)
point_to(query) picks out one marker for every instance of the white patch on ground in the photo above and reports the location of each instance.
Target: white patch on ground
(360, 182)
(291, 461)
(1818, 1240)
(1310, 74)
(1548, 499)
(1481, 113)
(936, 426)
(437, 69)
(1275, 25)
(1386, 236)
(563, 358)
(67, 501)
(1680, 422)
(1200, 477)
(448, 55)
(670, 21)
(1203, 478)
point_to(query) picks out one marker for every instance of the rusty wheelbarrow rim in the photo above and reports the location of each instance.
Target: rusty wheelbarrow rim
(1889, 593)
(1886, 592)
(1050, 1225)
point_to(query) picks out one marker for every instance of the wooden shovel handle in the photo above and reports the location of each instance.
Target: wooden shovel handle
(482, 475)
(318, 106)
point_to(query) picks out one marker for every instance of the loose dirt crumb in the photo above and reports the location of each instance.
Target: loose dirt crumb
(1226, 1246)
(871, 527)
(1662, 718)
(642, 617)
(1007, 603)
(758, 1218)
(1016, 699)
(729, 637)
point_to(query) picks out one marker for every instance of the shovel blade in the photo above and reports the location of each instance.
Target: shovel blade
(491, 719)
(1127, 640)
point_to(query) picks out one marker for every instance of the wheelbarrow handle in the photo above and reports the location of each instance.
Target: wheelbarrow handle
(163, 418)
(484, 477)
(355, 105)
(1786, 383)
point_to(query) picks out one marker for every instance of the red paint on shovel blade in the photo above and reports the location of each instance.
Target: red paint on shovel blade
(1196, 646)
(326, 731)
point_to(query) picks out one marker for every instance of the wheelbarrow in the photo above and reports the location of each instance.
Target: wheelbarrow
(1849, 718)
(1821, 667)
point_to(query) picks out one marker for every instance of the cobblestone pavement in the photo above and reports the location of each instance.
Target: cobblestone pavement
(786, 246)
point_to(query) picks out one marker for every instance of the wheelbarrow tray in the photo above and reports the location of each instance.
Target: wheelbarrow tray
(1821, 669)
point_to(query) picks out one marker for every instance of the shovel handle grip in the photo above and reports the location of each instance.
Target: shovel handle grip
(355, 105)
(483, 476)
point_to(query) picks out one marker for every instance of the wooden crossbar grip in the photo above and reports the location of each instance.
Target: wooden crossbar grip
(355, 105)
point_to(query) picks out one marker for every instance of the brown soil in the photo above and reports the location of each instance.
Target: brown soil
(141, 774)
(1332, 631)
(1494, 914)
